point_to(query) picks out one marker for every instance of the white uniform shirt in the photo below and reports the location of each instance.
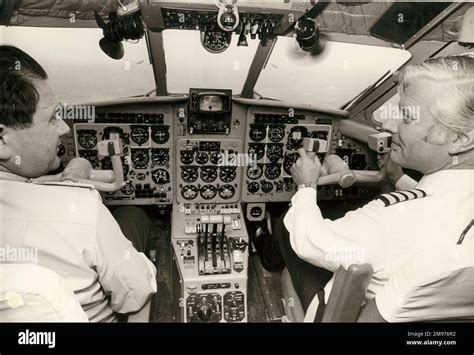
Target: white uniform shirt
(71, 232)
(384, 236)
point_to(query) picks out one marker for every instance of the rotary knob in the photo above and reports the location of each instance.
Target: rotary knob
(204, 313)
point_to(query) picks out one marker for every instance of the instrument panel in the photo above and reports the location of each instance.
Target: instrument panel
(274, 140)
(249, 161)
(208, 171)
(147, 154)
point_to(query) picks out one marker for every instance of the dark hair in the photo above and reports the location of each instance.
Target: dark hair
(18, 95)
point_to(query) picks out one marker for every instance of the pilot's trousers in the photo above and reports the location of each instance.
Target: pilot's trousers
(135, 225)
(307, 279)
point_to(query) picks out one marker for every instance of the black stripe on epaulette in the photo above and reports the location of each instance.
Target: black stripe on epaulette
(393, 198)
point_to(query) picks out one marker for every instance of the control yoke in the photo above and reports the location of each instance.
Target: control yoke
(335, 171)
(102, 180)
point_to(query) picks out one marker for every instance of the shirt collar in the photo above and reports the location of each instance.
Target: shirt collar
(452, 180)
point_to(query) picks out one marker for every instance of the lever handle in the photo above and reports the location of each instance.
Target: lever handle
(102, 180)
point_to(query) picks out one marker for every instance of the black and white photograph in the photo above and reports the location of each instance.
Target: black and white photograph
(200, 171)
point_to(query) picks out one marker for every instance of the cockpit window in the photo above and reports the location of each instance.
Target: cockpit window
(78, 70)
(189, 65)
(332, 79)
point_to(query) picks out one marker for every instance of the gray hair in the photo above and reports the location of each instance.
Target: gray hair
(453, 108)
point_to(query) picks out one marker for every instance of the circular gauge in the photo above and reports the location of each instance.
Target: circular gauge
(227, 173)
(290, 159)
(160, 134)
(139, 134)
(215, 157)
(256, 150)
(128, 189)
(208, 173)
(272, 171)
(295, 138)
(160, 176)
(140, 158)
(160, 157)
(257, 133)
(267, 187)
(202, 158)
(91, 156)
(215, 41)
(274, 152)
(226, 191)
(276, 133)
(253, 187)
(189, 192)
(208, 192)
(254, 172)
(289, 186)
(87, 139)
(189, 174)
(186, 156)
(61, 150)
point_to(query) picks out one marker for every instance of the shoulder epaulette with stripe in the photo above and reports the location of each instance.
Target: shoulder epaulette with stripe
(400, 196)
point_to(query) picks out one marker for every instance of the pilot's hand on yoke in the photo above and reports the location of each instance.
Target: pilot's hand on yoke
(393, 171)
(77, 169)
(307, 169)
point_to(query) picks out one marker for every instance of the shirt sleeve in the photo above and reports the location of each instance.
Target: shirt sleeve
(126, 275)
(330, 244)
(405, 183)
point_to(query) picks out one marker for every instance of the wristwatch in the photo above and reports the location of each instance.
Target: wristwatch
(308, 184)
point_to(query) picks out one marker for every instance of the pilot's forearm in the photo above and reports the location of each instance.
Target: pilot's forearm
(331, 244)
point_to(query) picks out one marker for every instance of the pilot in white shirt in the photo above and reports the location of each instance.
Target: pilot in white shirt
(436, 138)
(70, 230)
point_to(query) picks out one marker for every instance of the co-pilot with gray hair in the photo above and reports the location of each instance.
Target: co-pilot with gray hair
(434, 136)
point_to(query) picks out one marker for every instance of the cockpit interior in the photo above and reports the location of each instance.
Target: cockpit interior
(195, 112)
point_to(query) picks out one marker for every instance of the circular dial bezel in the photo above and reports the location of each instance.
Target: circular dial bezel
(143, 156)
(215, 40)
(272, 171)
(208, 188)
(261, 130)
(164, 138)
(224, 188)
(90, 136)
(276, 133)
(160, 152)
(158, 180)
(143, 133)
(208, 173)
(189, 174)
(227, 173)
(188, 188)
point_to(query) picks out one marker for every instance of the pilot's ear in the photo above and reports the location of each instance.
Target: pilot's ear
(462, 143)
(5, 153)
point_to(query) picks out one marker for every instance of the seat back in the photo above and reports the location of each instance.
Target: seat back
(32, 293)
(436, 284)
(347, 293)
